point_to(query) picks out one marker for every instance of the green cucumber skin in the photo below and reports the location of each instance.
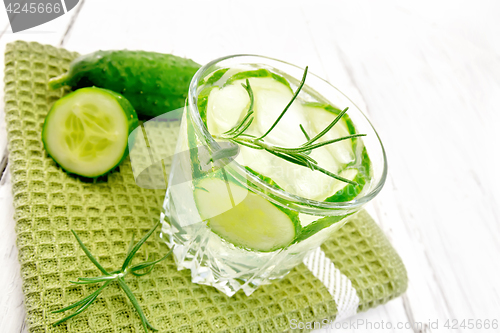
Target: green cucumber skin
(259, 73)
(203, 103)
(317, 226)
(216, 76)
(154, 83)
(128, 109)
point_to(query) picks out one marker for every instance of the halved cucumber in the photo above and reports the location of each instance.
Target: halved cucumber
(86, 132)
(242, 217)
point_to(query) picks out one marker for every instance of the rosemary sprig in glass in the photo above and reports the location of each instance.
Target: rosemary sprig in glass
(118, 276)
(298, 155)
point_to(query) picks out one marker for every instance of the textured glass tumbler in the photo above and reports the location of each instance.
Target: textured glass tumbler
(212, 259)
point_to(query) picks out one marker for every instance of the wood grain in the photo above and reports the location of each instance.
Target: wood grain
(12, 311)
(428, 76)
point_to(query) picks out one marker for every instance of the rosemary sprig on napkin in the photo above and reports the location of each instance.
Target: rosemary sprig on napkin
(118, 276)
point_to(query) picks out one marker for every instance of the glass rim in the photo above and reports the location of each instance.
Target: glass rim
(312, 205)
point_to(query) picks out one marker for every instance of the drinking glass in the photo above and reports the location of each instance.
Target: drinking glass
(212, 259)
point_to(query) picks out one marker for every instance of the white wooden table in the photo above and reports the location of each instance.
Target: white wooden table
(428, 76)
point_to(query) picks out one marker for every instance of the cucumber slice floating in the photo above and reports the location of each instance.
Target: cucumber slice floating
(86, 132)
(361, 175)
(351, 154)
(225, 107)
(319, 117)
(208, 85)
(242, 217)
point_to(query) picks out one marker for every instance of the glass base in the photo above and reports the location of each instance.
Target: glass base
(220, 264)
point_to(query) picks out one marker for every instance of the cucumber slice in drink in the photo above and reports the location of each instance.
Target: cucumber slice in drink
(242, 217)
(208, 85)
(270, 98)
(322, 115)
(351, 154)
(86, 132)
(228, 104)
(225, 107)
(359, 174)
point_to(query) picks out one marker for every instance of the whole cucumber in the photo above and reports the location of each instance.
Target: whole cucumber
(154, 83)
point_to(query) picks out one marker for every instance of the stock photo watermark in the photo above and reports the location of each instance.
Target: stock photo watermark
(364, 324)
(26, 14)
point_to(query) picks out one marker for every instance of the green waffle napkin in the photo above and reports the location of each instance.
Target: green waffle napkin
(357, 269)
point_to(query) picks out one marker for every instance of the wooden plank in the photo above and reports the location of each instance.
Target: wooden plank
(338, 73)
(432, 96)
(3, 131)
(12, 312)
(430, 79)
(211, 31)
